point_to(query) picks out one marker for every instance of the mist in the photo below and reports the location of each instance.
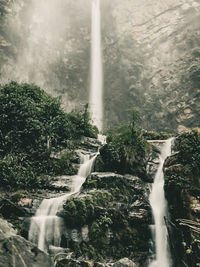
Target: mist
(147, 48)
(45, 45)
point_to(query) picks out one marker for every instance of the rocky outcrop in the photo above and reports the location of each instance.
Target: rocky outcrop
(17, 251)
(182, 174)
(109, 219)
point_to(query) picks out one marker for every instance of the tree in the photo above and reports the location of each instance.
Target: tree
(32, 125)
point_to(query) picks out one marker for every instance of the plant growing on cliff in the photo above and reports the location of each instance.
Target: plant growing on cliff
(126, 148)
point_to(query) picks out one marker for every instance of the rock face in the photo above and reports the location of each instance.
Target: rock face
(109, 219)
(182, 183)
(158, 43)
(150, 48)
(17, 251)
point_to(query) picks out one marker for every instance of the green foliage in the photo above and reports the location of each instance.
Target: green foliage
(188, 145)
(98, 234)
(119, 188)
(151, 135)
(79, 124)
(16, 172)
(80, 211)
(32, 125)
(62, 165)
(125, 149)
(29, 117)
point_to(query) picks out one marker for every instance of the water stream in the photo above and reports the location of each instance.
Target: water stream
(46, 227)
(96, 87)
(159, 208)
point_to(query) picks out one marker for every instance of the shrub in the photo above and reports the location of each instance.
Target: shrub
(125, 149)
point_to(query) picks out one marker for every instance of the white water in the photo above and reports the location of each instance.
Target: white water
(159, 208)
(46, 226)
(96, 87)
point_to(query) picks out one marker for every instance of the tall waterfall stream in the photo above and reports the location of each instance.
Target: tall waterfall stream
(46, 226)
(159, 209)
(96, 87)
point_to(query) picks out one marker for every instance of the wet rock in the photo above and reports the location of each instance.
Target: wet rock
(61, 183)
(17, 251)
(153, 161)
(90, 144)
(58, 250)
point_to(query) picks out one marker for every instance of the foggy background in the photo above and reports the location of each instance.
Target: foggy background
(149, 48)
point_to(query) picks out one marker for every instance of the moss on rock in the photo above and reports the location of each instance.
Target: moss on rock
(104, 205)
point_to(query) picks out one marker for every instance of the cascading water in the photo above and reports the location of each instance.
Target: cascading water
(159, 208)
(96, 87)
(46, 226)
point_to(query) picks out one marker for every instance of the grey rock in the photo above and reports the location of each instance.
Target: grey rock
(17, 251)
(6, 229)
(125, 262)
(61, 183)
(90, 144)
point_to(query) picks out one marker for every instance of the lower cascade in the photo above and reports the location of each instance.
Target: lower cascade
(46, 227)
(159, 208)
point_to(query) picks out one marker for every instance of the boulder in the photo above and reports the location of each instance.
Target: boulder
(17, 251)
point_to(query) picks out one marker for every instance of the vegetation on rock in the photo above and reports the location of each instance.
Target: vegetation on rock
(126, 149)
(105, 206)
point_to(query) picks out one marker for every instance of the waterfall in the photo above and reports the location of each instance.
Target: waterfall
(159, 208)
(46, 227)
(96, 87)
